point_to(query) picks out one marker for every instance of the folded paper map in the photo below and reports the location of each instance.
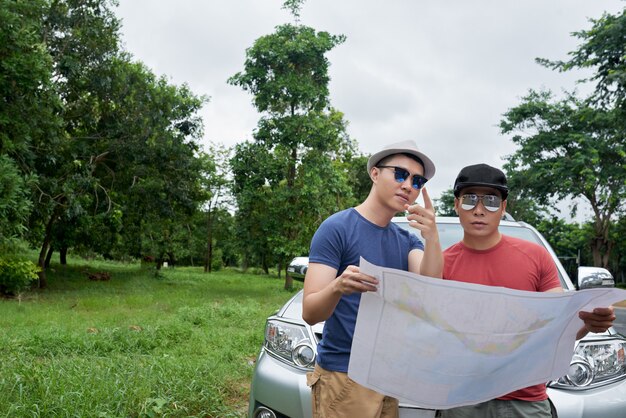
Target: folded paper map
(439, 343)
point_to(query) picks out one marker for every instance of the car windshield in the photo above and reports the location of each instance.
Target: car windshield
(450, 234)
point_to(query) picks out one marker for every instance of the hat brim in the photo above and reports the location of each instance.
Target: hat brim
(429, 166)
(461, 186)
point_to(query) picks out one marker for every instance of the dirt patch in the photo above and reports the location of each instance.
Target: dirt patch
(102, 276)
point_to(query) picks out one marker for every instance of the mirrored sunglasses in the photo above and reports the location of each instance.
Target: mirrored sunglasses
(490, 202)
(401, 174)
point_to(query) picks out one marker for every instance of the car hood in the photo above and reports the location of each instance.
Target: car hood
(292, 311)
(293, 308)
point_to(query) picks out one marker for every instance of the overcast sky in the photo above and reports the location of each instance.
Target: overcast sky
(439, 72)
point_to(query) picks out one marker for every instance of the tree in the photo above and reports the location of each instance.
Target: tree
(80, 40)
(569, 149)
(119, 147)
(577, 148)
(15, 205)
(603, 50)
(445, 204)
(619, 260)
(525, 208)
(294, 7)
(289, 179)
(216, 185)
(354, 167)
(27, 108)
(570, 241)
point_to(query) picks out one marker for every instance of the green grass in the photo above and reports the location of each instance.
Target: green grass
(180, 345)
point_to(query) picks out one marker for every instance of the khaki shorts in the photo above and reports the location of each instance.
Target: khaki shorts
(497, 408)
(335, 395)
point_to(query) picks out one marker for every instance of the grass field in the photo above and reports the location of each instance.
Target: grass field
(182, 345)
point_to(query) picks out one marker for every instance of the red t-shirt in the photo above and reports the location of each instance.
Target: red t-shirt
(513, 263)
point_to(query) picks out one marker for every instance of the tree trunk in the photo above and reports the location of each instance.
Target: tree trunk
(288, 278)
(63, 255)
(49, 256)
(601, 245)
(266, 268)
(291, 232)
(41, 262)
(208, 259)
(288, 282)
(189, 244)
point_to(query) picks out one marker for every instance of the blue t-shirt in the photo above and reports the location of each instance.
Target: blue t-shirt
(340, 241)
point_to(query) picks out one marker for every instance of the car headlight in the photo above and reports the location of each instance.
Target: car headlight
(595, 363)
(289, 343)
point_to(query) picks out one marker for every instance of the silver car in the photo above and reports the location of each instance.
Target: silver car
(595, 386)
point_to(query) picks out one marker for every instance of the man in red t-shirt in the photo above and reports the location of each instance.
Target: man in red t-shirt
(487, 257)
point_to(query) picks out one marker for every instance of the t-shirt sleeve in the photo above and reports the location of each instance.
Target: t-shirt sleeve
(415, 243)
(549, 273)
(326, 245)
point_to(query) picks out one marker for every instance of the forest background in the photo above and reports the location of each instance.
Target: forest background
(103, 158)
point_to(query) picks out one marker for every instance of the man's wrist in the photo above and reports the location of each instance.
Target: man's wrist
(432, 240)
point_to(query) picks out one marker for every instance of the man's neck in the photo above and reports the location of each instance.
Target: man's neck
(482, 243)
(375, 213)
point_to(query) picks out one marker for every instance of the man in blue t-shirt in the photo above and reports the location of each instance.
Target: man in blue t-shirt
(333, 283)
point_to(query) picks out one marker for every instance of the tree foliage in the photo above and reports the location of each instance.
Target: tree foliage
(577, 147)
(287, 71)
(216, 185)
(108, 150)
(27, 109)
(444, 206)
(292, 176)
(603, 49)
(570, 241)
(28, 105)
(569, 149)
(15, 203)
(294, 7)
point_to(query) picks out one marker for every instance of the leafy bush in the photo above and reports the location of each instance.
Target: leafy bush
(217, 262)
(15, 205)
(16, 275)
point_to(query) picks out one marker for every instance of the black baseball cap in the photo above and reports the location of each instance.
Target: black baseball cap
(481, 175)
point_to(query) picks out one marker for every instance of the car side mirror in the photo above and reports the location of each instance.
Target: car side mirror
(589, 277)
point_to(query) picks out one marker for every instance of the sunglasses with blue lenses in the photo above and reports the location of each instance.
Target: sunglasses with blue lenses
(401, 174)
(490, 202)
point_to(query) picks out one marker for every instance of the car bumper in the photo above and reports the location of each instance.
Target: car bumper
(282, 388)
(279, 387)
(604, 402)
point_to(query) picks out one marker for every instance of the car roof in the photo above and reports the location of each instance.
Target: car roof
(507, 220)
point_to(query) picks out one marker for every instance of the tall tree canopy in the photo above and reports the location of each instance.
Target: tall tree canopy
(92, 143)
(292, 177)
(576, 148)
(27, 109)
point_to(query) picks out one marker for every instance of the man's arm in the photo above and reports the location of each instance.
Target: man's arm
(599, 320)
(430, 261)
(323, 289)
